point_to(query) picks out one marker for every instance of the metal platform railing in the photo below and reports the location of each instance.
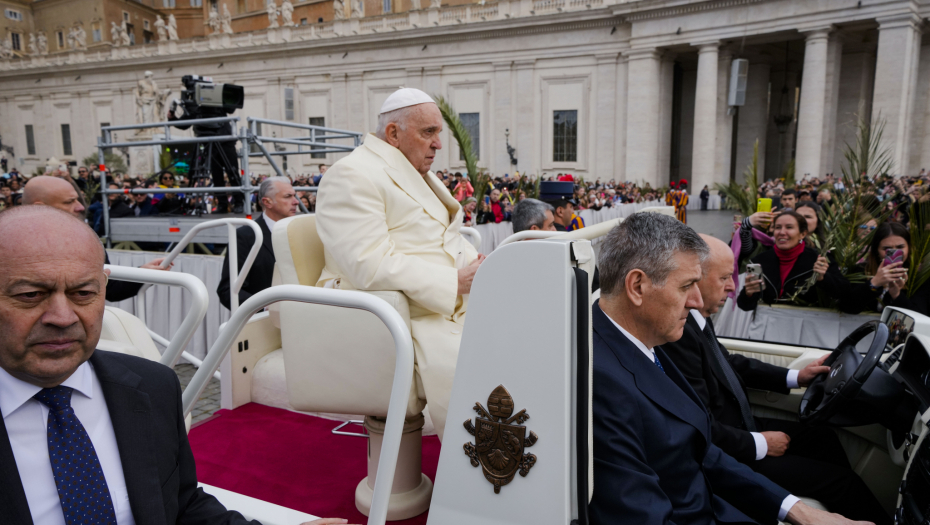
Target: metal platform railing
(317, 141)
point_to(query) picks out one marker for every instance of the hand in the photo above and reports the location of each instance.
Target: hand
(777, 442)
(761, 219)
(891, 274)
(809, 372)
(155, 264)
(801, 514)
(753, 286)
(467, 275)
(326, 521)
(820, 267)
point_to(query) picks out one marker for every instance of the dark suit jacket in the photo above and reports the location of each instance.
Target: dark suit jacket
(259, 277)
(692, 355)
(144, 400)
(654, 462)
(834, 284)
(120, 290)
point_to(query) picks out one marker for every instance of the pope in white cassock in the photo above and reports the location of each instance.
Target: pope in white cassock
(388, 224)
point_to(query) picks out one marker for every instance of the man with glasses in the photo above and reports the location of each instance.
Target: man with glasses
(82, 180)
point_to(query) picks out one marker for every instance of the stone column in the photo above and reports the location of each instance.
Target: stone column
(831, 104)
(526, 125)
(642, 135)
(605, 116)
(703, 163)
(812, 110)
(666, 101)
(414, 77)
(432, 85)
(724, 150)
(752, 119)
(356, 95)
(620, 152)
(502, 88)
(896, 84)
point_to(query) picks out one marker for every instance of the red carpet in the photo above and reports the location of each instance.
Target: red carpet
(289, 459)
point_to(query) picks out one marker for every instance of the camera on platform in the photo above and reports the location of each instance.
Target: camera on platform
(202, 92)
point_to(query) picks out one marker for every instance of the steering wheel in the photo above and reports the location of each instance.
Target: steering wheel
(849, 370)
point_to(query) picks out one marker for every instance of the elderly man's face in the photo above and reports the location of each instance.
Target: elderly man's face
(281, 204)
(717, 282)
(51, 304)
(418, 140)
(666, 308)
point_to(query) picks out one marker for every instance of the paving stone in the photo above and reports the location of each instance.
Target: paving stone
(209, 402)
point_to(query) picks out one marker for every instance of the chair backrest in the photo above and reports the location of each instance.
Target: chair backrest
(337, 360)
(125, 333)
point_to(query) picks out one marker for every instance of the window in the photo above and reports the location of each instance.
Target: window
(95, 31)
(213, 5)
(145, 25)
(387, 6)
(125, 16)
(288, 103)
(30, 140)
(132, 34)
(253, 148)
(317, 121)
(472, 122)
(196, 3)
(17, 41)
(13, 14)
(66, 139)
(61, 40)
(168, 3)
(303, 21)
(103, 134)
(241, 6)
(147, 37)
(565, 136)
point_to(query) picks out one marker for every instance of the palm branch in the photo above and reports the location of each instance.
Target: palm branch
(788, 175)
(919, 257)
(478, 179)
(743, 198)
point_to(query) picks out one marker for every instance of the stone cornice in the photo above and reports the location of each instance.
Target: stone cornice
(647, 9)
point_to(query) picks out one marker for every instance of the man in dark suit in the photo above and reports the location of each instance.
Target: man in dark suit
(279, 201)
(86, 436)
(57, 193)
(784, 451)
(654, 461)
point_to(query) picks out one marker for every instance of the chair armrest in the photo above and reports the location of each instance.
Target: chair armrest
(398, 300)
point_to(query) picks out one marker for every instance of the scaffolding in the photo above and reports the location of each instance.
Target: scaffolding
(316, 142)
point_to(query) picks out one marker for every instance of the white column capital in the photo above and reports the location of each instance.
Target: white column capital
(606, 58)
(912, 20)
(817, 32)
(502, 66)
(704, 47)
(524, 64)
(432, 70)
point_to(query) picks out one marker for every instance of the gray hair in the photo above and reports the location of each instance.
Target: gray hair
(528, 213)
(398, 116)
(268, 188)
(648, 242)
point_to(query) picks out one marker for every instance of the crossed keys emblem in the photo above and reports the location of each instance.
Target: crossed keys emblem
(500, 439)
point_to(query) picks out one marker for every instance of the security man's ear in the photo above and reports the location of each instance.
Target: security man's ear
(634, 285)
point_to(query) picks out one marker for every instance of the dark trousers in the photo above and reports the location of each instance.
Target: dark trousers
(704, 204)
(815, 466)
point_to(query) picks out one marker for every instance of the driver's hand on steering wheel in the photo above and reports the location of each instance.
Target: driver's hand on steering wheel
(814, 369)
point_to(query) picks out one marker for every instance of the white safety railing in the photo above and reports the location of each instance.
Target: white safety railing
(200, 300)
(473, 236)
(403, 369)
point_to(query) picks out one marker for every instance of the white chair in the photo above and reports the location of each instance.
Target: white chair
(340, 361)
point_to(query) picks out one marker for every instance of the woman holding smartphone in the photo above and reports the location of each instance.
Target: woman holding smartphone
(788, 267)
(887, 268)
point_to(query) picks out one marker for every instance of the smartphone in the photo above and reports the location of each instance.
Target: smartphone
(764, 205)
(487, 200)
(754, 270)
(893, 257)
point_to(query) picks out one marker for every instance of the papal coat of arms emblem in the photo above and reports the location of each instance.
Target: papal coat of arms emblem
(500, 439)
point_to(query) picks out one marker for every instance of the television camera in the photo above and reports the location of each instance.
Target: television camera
(202, 98)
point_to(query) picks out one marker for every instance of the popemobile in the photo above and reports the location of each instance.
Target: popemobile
(518, 442)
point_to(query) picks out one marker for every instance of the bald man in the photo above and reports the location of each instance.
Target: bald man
(118, 417)
(806, 461)
(58, 193)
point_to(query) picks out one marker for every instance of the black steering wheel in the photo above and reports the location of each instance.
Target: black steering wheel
(849, 370)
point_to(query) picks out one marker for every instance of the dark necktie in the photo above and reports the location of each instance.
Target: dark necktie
(730, 376)
(658, 363)
(82, 489)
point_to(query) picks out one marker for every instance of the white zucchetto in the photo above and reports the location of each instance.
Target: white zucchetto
(405, 97)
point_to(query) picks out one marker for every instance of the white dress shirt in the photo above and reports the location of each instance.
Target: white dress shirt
(650, 354)
(762, 446)
(26, 422)
(268, 222)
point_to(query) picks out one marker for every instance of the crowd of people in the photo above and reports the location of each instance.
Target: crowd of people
(791, 260)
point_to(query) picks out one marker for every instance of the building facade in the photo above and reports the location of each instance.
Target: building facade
(610, 89)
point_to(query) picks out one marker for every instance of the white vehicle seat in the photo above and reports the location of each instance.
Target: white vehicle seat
(341, 360)
(125, 333)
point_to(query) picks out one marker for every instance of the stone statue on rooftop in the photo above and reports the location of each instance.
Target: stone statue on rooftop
(160, 28)
(172, 27)
(272, 9)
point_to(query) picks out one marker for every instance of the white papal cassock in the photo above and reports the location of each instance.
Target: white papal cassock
(385, 227)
